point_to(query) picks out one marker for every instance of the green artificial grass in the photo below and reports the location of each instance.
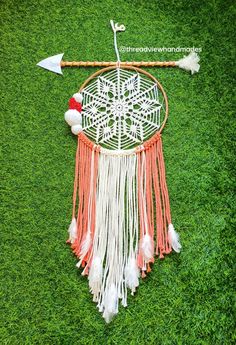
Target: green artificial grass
(188, 298)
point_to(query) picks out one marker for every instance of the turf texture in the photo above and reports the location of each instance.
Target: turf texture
(187, 298)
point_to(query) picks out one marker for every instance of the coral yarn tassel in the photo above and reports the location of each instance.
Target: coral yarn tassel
(86, 168)
(158, 204)
(152, 182)
(145, 210)
(165, 195)
(75, 179)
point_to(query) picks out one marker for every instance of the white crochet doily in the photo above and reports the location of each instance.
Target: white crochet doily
(121, 109)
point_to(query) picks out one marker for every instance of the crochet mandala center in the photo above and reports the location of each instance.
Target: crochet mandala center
(121, 109)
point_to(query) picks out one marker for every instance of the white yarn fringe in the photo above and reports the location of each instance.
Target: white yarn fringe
(190, 62)
(115, 244)
(173, 238)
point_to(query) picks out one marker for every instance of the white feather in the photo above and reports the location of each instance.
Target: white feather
(84, 248)
(132, 274)
(173, 238)
(110, 303)
(95, 274)
(79, 263)
(72, 231)
(73, 117)
(190, 62)
(147, 247)
(85, 245)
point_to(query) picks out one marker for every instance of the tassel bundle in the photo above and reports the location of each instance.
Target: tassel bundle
(123, 218)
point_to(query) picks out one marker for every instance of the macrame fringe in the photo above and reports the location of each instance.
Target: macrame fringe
(123, 218)
(85, 177)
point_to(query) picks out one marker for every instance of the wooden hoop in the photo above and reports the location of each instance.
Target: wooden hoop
(139, 70)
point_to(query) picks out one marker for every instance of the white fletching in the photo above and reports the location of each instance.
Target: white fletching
(190, 62)
(78, 97)
(147, 247)
(86, 245)
(73, 117)
(111, 303)
(72, 231)
(76, 129)
(173, 238)
(52, 63)
(132, 274)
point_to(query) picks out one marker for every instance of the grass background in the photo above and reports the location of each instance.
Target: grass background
(187, 298)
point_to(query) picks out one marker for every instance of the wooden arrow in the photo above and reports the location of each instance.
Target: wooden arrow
(55, 63)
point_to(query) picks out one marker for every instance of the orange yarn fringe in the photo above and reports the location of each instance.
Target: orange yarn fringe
(86, 209)
(154, 214)
(157, 209)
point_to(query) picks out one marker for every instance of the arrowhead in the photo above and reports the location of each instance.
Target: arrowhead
(52, 63)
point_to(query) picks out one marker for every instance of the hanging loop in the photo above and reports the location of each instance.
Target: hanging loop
(116, 27)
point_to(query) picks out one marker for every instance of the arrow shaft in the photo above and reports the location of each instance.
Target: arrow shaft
(114, 63)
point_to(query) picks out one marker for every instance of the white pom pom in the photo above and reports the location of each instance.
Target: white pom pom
(78, 97)
(147, 247)
(76, 129)
(72, 231)
(190, 62)
(173, 238)
(73, 117)
(110, 303)
(132, 274)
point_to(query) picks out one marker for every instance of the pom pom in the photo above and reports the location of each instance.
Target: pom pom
(147, 247)
(132, 274)
(76, 129)
(110, 303)
(75, 105)
(173, 238)
(190, 62)
(72, 231)
(78, 97)
(73, 117)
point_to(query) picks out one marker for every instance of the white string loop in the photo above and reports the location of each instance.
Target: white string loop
(116, 28)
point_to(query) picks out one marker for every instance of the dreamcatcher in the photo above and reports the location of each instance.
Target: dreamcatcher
(121, 213)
